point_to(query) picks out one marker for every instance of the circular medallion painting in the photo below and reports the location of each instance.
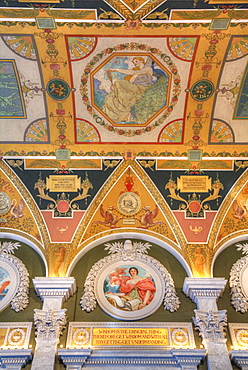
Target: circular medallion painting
(129, 291)
(58, 89)
(202, 90)
(8, 283)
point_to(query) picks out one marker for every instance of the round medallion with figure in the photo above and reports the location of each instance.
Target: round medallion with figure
(128, 291)
(58, 89)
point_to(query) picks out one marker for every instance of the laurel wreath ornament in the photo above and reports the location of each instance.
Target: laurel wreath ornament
(128, 251)
(21, 298)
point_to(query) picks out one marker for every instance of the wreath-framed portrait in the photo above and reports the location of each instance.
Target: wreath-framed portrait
(238, 280)
(14, 278)
(9, 282)
(128, 284)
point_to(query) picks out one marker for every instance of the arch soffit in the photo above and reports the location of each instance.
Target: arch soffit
(130, 235)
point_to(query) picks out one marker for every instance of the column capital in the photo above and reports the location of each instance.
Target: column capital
(211, 325)
(55, 287)
(49, 324)
(196, 288)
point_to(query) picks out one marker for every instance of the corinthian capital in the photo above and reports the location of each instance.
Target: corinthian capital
(49, 324)
(211, 324)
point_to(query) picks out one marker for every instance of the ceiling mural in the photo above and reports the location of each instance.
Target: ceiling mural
(124, 117)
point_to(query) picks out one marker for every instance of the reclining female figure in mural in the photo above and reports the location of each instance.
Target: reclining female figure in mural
(132, 292)
(126, 92)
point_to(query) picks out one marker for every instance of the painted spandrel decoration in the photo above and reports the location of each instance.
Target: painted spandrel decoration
(238, 280)
(14, 281)
(125, 283)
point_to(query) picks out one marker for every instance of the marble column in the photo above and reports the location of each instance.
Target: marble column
(51, 320)
(208, 320)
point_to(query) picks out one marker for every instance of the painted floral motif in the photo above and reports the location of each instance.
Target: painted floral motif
(86, 132)
(183, 47)
(221, 132)
(172, 133)
(238, 48)
(37, 131)
(21, 45)
(80, 47)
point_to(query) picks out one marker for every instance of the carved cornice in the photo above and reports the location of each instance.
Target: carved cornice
(211, 325)
(204, 288)
(150, 187)
(15, 357)
(55, 287)
(74, 356)
(49, 324)
(189, 357)
(240, 358)
(146, 358)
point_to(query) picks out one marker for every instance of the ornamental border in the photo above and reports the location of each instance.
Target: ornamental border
(133, 46)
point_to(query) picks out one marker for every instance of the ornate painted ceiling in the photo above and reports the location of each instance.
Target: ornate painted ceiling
(124, 116)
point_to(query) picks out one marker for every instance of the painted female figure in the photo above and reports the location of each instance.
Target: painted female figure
(133, 293)
(126, 92)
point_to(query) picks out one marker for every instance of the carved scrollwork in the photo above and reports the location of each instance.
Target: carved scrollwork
(49, 324)
(211, 324)
(125, 252)
(239, 298)
(20, 275)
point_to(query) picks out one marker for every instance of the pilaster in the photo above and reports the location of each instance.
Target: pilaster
(51, 320)
(208, 320)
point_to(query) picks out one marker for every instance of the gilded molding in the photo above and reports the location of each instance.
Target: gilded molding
(149, 186)
(224, 209)
(28, 199)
